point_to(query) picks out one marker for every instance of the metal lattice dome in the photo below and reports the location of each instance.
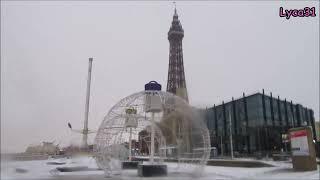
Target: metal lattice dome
(181, 138)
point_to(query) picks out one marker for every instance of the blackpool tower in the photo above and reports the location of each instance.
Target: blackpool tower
(176, 83)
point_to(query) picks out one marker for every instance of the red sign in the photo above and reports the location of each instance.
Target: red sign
(298, 133)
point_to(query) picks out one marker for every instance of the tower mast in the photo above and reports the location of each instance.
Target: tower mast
(86, 115)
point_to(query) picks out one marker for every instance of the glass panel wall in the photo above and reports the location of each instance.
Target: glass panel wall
(268, 111)
(275, 112)
(283, 114)
(290, 116)
(240, 114)
(295, 119)
(220, 120)
(210, 118)
(255, 112)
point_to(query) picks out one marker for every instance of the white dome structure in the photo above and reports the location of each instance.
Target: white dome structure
(181, 138)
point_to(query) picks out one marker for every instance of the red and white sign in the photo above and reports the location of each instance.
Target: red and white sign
(299, 143)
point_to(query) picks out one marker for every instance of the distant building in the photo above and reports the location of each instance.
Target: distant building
(46, 148)
(257, 123)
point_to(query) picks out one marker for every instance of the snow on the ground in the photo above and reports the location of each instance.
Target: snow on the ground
(281, 170)
(41, 170)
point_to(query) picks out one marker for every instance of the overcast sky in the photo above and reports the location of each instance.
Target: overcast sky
(229, 48)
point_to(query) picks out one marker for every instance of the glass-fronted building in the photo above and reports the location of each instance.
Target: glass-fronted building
(257, 123)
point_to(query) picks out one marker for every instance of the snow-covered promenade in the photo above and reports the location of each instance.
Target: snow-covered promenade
(39, 169)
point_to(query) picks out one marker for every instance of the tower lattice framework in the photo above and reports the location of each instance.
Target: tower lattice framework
(176, 77)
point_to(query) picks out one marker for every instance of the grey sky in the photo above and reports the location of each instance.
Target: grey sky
(229, 48)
